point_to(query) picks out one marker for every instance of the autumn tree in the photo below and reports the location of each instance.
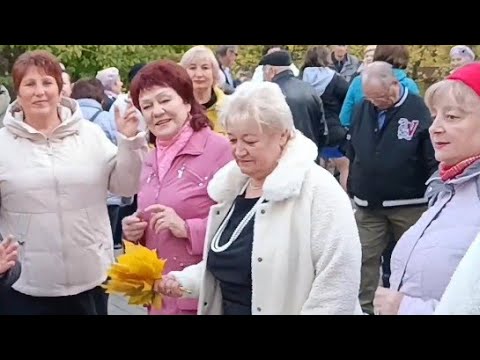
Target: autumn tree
(86, 60)
(428, 63)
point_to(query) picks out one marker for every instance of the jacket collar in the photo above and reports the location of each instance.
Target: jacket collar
(283, 183)
(195, 146)
(91, 103)
(283, 75)
(197, 143)
(435, 184)
(220, 99)
(68, 111)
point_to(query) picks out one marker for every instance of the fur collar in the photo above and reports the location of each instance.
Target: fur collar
(284, 182)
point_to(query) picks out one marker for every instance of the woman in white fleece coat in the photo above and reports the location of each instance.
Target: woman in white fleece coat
(282, 238)
(55, 170)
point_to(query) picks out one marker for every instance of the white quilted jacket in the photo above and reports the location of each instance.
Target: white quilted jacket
(53, 198)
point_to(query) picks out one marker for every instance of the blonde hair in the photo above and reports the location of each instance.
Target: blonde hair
(459, 92)
(263, 102)
(369, 48)
(204, 53)
(108, 77)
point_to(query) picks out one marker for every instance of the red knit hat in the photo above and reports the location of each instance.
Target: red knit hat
(468, 74)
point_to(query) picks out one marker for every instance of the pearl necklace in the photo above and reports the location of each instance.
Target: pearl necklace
(215, 244)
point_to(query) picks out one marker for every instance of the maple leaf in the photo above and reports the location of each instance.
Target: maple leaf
(134, 274)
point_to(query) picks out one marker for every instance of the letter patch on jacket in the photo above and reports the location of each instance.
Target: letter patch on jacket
(406, 129)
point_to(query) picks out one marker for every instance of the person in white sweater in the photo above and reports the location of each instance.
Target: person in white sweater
(282, 238)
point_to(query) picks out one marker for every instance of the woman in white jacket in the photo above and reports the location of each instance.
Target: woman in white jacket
(55, 170)
(282, 238)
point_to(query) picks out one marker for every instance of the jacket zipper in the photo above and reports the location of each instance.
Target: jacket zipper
(199, 178)
(150, 177)
(59, 208)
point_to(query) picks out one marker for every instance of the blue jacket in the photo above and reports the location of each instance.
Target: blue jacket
(355, 94)
(104, 119)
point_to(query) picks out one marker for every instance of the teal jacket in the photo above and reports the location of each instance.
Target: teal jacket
(355, 94)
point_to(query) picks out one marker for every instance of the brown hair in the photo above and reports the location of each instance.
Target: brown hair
(88, 89)
(316, 56)
(396, 55)
(38, 58)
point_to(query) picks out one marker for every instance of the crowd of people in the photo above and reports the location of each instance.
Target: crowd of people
(330, 188)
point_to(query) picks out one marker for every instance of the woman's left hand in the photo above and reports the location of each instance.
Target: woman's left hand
(127, 124)
(164, 217)
(387, 301)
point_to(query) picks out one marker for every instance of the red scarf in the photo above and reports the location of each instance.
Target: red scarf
(451, 172)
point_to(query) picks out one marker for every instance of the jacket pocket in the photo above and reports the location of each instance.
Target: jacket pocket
(98, 225)
(17, 224)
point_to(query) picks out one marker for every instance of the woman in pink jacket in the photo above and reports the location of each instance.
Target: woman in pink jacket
(173, 203)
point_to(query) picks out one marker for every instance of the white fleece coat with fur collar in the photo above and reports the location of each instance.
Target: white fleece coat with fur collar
(306, 250)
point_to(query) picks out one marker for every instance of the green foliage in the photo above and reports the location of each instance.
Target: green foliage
(86, 60)
(428, 63)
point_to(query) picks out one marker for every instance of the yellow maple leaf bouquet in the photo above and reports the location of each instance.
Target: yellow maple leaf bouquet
(134, 274)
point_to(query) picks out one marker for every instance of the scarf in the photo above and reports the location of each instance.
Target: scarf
(451, 172)
(167, 150)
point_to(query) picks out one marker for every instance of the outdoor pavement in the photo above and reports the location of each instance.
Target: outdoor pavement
(119, 306)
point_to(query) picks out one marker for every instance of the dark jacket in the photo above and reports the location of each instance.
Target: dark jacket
(306, 107)
(108, 102)
(390, 165)
(332, 89)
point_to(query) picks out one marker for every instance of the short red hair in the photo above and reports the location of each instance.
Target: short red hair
(41, 59)
(169, 74)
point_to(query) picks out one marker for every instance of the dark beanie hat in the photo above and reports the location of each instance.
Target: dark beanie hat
(277, 58)
(468, 74)
(134, 70)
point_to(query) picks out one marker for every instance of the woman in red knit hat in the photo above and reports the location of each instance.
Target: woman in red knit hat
(429, 252)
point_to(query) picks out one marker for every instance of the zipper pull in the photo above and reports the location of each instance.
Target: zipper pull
(150, 177)
(180, 172)
(49, 145)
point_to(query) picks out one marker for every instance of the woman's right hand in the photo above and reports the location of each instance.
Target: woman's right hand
(133, 227)
(168, 286)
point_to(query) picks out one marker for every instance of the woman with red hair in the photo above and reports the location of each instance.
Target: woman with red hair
(173, 202)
